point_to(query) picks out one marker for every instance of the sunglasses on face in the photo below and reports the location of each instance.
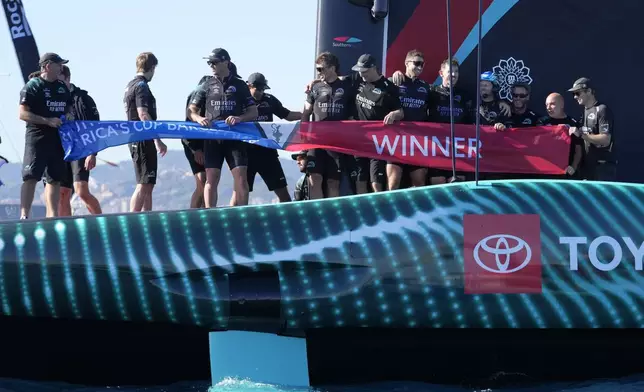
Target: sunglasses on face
(418, 63)
(519, 95)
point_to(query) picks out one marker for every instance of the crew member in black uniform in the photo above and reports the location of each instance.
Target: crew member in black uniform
(493, 109)
(225, 97)
(140, 105)
(330, 99)
(43, 101)
(597, 131)
(77, 172)
(463, 111)
(414, 98)
(522, 116)
(557, 116)
(193, 150)
(377, 99)
(262, 160)
(302, 186)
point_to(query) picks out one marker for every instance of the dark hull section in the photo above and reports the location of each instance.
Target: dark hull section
(473, 359)
(101, 353)
(397, 264)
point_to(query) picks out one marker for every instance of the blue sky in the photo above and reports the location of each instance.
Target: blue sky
(102, 38)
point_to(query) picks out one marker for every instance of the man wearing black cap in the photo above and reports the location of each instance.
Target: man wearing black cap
(43, 101)
(77, 172)
(224, 97)
(377, 100)
(262, 160)
(330, 99)
(302, 186)
(193, 148)
(600, 162)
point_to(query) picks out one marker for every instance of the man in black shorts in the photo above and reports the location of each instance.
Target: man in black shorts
(597, 132)
(414, 98)
(330, 99)
(140, 105)
(556, 116)
(193, 149)
(463, 111)
(77, 172)
(378, 99)
(224, 97)
(262, 160)
(43, 101)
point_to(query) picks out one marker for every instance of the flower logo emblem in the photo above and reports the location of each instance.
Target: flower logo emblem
(509, 72)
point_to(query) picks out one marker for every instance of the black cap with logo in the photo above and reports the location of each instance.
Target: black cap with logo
(298, 154)
(580, 84)
(365, 62)
(258, 80)
(53, 58)
(218, 54)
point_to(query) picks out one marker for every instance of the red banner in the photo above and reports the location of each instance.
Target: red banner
(533, 150)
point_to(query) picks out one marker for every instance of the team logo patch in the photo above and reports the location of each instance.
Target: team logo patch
(509, 72)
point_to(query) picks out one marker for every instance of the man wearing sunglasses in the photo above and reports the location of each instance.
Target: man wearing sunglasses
(521, 116)
(414, 97)
(330, 99)
(224, 97)
(600, 163)
(193, 148)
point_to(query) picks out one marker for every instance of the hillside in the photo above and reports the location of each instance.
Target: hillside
(113, 186)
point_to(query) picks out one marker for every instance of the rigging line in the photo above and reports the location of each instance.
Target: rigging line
(451, 93)
(478, 92)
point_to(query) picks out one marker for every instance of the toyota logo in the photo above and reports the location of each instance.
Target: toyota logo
(502, 252)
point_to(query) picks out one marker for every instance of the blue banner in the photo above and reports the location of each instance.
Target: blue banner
(83, 138)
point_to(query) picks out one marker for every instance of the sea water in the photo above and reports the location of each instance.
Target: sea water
(630, 384)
